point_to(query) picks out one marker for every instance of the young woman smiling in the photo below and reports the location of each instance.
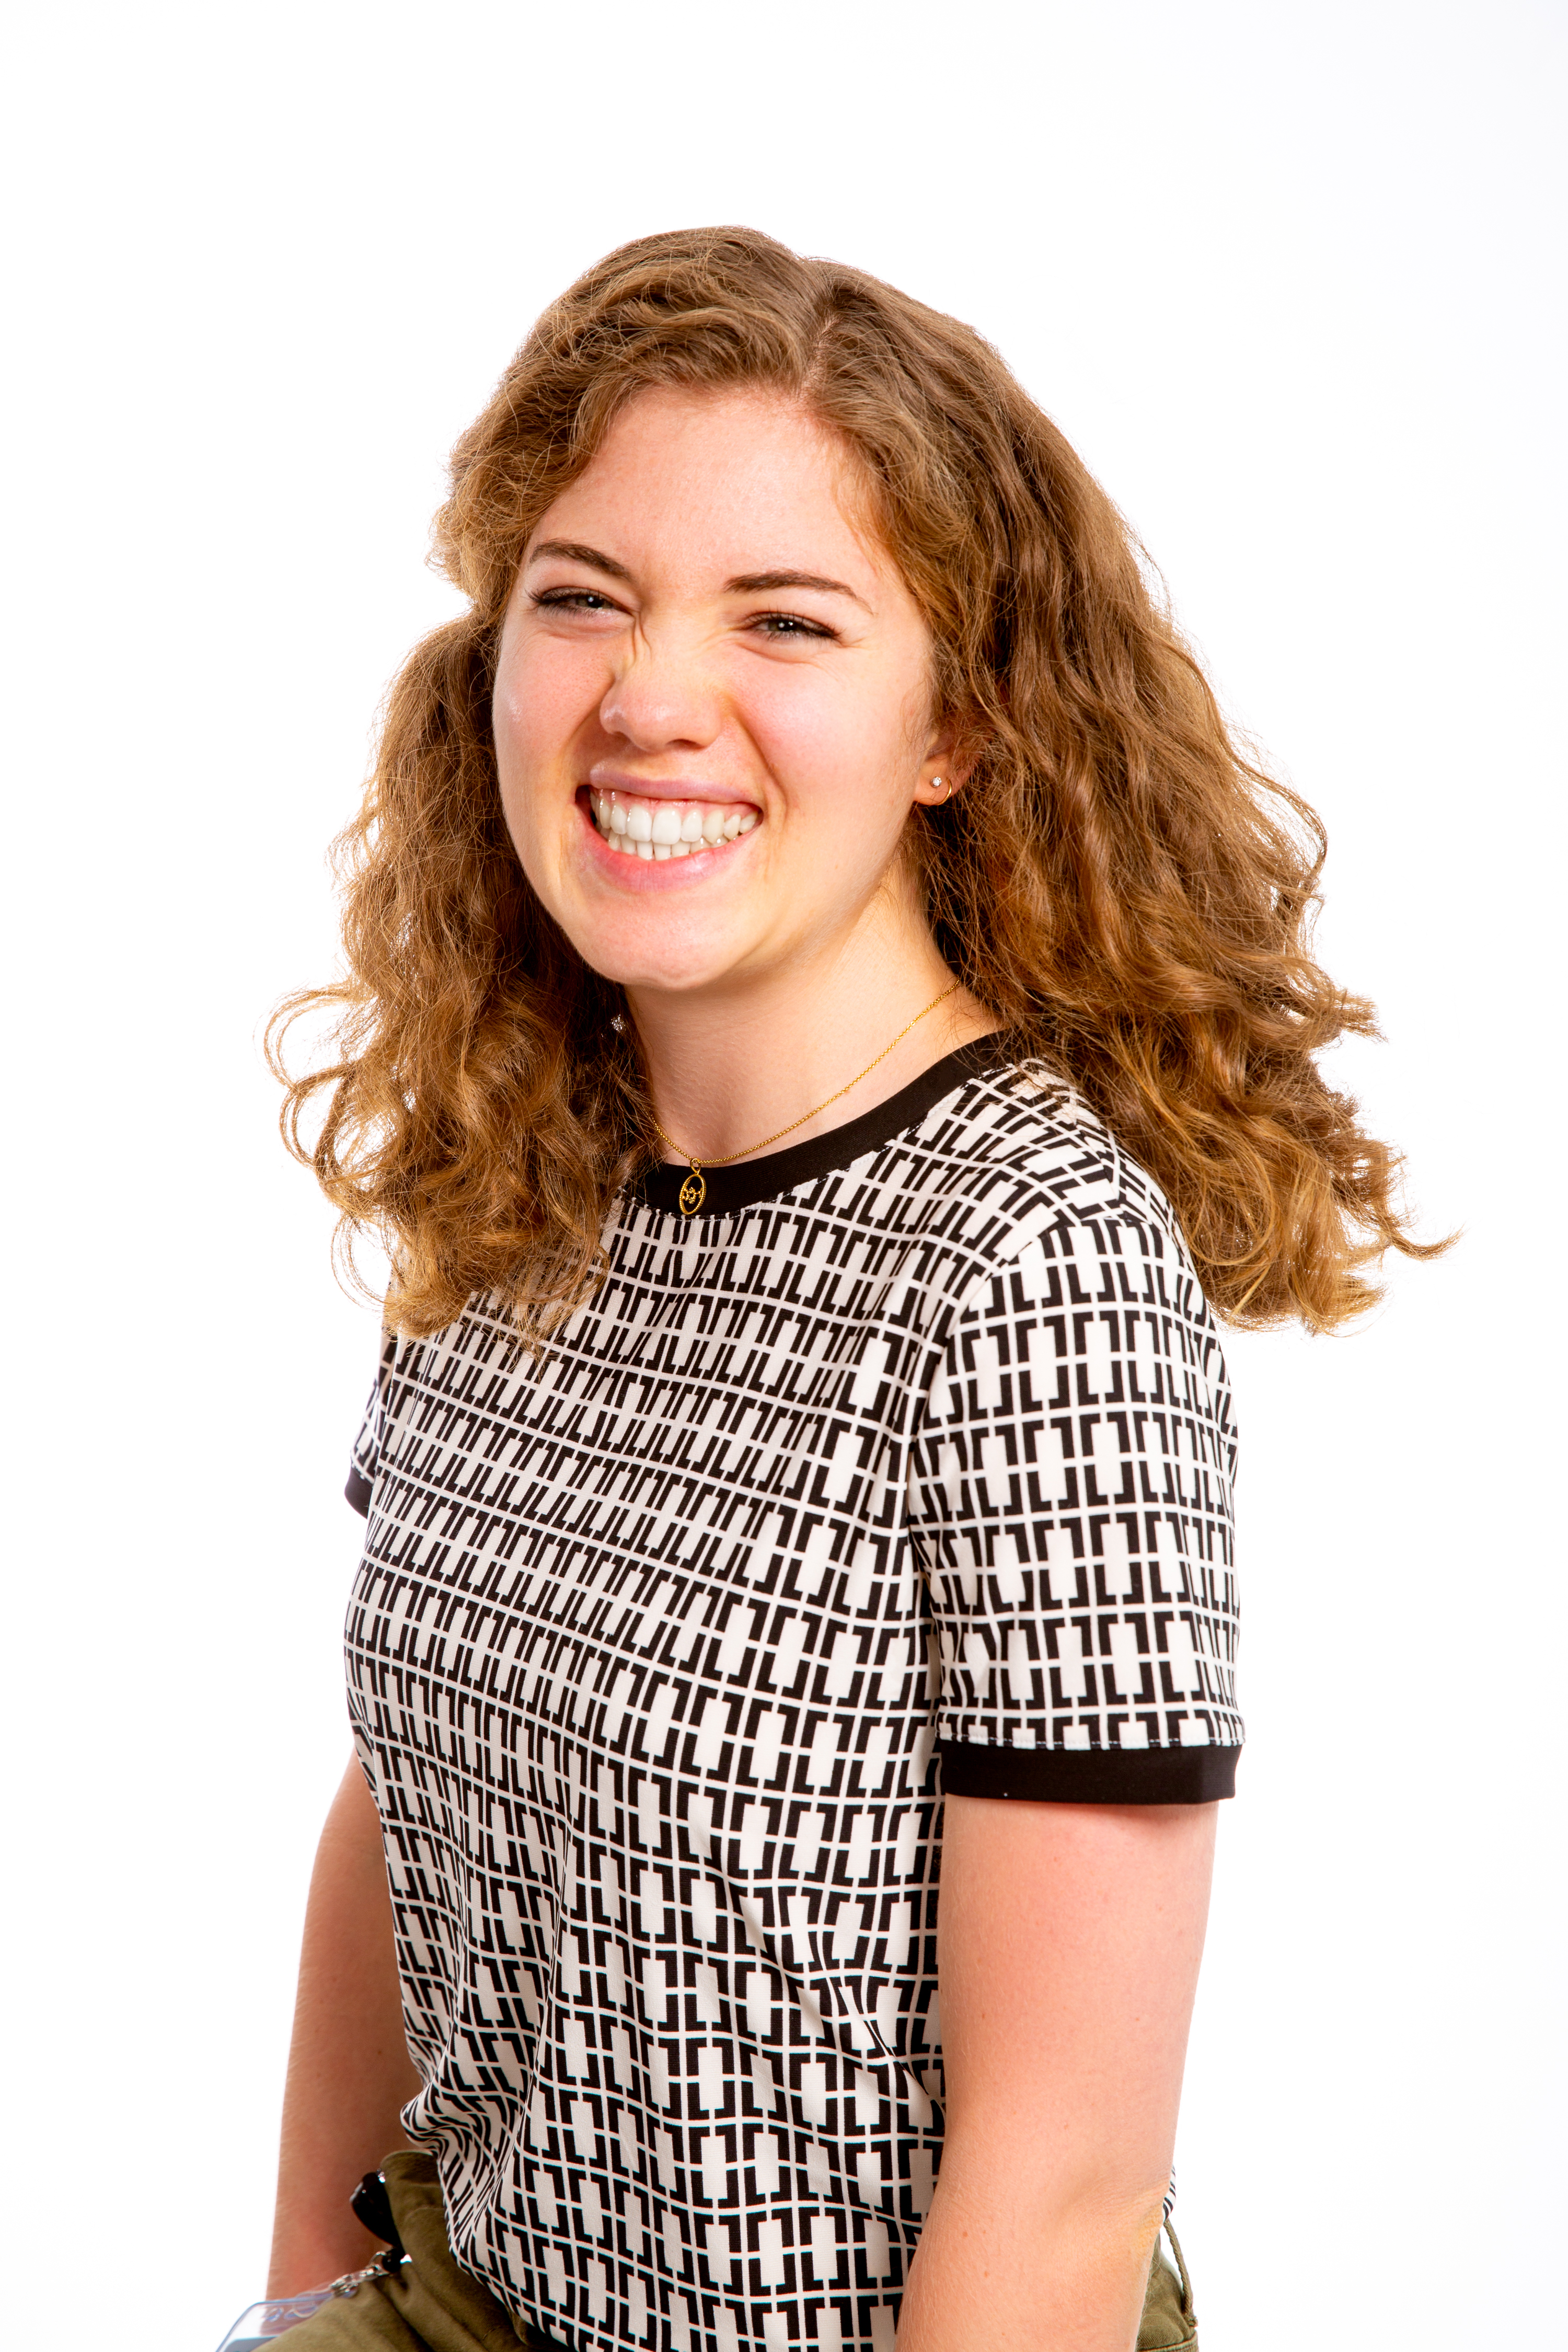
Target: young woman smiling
(828, 1032)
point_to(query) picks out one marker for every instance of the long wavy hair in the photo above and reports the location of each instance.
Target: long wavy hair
(1118, 882)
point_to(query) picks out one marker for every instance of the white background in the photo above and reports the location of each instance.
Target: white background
(1287, 278)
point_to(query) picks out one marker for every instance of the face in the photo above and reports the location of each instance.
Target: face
(713, 703)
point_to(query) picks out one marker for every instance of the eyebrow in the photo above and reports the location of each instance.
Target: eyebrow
(572, 551)
(762, 583)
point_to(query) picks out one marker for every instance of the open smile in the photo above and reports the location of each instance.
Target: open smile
(640, 827)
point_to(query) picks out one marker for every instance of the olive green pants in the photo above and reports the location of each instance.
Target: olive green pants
(431, 2305)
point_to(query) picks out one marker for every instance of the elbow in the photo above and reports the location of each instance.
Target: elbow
(1048, 2260)
(1115, 2218)
(1093, 2200)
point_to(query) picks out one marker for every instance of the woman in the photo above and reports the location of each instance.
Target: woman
(828, 1031)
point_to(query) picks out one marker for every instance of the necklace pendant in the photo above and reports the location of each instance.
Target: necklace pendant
(693, 1193)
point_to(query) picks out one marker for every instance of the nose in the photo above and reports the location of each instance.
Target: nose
(661, 697)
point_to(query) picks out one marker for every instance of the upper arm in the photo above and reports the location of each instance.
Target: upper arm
(1068, 1939)
(1071, 1490)
(1070, 1497)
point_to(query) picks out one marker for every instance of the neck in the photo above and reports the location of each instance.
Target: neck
(729, 1067)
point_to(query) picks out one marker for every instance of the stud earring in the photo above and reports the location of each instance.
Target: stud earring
(946, 788)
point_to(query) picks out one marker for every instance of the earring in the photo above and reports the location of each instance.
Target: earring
(946, 788)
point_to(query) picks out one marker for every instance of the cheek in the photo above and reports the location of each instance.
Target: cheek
(544, 696)
(836, 746)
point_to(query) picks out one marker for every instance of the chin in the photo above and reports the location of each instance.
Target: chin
(668, 964)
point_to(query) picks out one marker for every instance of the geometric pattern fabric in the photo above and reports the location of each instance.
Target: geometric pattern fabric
(905, 1464)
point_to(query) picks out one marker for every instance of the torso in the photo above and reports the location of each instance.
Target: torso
(905, 1464)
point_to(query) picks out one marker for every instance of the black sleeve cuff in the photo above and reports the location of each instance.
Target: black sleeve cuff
(1089, 1776)
(358, 1492)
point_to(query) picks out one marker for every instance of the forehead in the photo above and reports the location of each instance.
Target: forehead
(721, 484)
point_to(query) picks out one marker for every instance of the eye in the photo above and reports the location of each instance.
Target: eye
(573, 600)
(782, 627)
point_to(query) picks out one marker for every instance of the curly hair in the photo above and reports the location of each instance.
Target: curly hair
(1126, 891)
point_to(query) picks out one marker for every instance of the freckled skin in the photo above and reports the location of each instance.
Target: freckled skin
(807, 705)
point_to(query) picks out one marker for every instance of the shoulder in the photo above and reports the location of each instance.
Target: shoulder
(1026, 1167)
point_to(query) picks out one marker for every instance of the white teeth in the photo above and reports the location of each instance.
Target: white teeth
(668, 828)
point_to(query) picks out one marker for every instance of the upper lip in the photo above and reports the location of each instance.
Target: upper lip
(603, 778)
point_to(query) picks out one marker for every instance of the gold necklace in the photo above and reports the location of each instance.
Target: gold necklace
(694, 1191)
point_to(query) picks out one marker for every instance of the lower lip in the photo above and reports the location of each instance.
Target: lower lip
(634, 873)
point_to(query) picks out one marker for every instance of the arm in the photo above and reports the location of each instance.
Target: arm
(349, 2068)
(1068, 1939)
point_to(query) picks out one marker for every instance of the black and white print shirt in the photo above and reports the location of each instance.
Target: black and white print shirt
(904, 1467)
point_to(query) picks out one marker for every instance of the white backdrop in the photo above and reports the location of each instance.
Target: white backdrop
(1285, 274)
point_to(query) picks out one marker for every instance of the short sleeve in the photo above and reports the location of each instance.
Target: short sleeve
(364, 1458)
(1070, 1495)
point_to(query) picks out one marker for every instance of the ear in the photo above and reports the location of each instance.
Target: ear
(949, 764)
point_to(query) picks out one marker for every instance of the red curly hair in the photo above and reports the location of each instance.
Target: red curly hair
(1118, 883)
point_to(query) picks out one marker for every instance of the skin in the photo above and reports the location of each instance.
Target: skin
(664, 642)
(764, 975)
(349, 2068)
(1068, 1939)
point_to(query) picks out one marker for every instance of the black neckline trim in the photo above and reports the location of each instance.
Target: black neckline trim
(730, 1189)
